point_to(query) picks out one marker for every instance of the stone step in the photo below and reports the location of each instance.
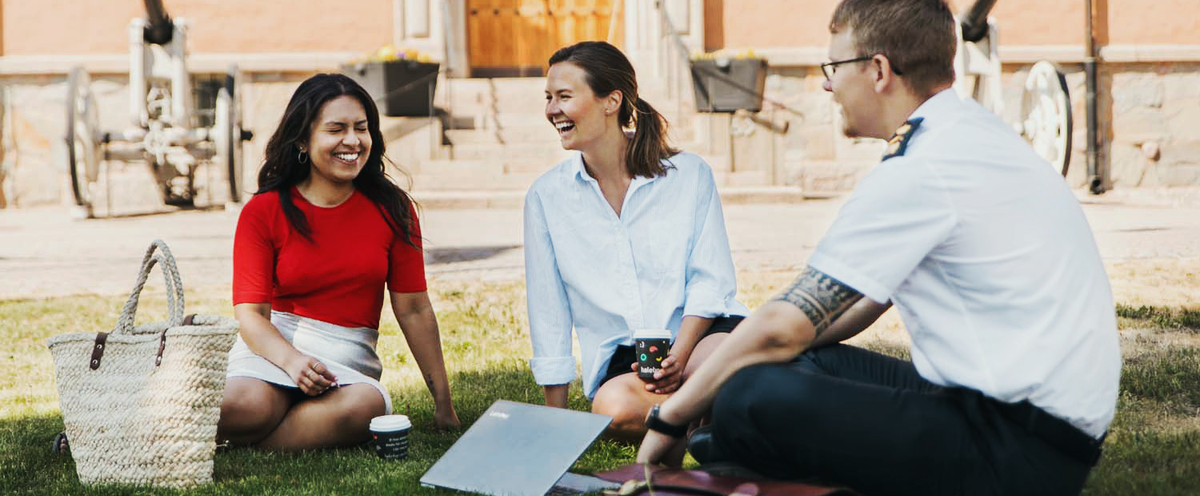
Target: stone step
(829, 176)
(548, 152)
(511, 163)
(543, 134)
(527, 113)
(465, 181)
(491, 175)
(529, 130)
(483, 85)
(470, 88)
(719, 163)
(515, 198)
(471, 96)
(511, 199)
(481, 167)
(526, 96)
(742, 178)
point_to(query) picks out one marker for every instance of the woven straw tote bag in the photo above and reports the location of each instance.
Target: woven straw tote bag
(141, 403)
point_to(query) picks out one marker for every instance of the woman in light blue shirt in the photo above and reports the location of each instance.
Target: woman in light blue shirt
(627, 234)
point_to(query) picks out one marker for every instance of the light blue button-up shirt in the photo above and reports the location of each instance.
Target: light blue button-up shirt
(666, 256)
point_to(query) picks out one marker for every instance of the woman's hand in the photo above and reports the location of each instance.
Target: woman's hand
(418, 322)
(670, 377)
(444, 418)
(310, 374)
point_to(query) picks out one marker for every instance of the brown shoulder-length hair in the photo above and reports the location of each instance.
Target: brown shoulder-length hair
(282, 168)
(917, 37)
(607, 71)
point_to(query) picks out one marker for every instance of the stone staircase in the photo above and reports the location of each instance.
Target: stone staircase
(493, 141)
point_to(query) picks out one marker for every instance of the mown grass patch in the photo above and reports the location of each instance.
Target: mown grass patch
(1153, 447)
(1163, 317)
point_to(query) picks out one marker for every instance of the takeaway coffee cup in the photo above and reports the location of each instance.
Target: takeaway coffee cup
(389, 436)
(651, 346)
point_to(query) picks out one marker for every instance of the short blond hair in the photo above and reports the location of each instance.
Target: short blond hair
(916, 36)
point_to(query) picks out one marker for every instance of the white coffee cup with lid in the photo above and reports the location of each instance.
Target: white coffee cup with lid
(389, 436)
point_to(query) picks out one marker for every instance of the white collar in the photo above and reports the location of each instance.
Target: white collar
(944, 101)
(582, 174)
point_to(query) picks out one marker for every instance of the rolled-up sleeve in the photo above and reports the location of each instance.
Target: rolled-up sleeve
(711, 281)
(549, 311)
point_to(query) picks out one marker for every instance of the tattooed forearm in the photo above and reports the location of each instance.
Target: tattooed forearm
(822, 298)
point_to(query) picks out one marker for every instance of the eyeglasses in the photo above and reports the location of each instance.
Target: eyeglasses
(830, 68)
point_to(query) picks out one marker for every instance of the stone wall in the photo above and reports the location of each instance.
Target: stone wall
(1154, 110)
(1148, 114)
(34, 162)
(33, 154)
(33, 134)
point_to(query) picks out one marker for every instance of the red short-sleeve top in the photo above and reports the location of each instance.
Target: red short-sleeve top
(339, 276)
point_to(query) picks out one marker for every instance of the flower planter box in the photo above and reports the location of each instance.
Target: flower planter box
(400, 87)
(726, 85)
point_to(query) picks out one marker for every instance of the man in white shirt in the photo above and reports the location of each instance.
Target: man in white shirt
(990, 261)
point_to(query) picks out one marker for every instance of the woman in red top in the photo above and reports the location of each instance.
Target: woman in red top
(314, 250)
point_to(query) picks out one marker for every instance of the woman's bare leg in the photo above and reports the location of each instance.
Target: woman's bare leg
(339, 417)
(702, 351)
(625, 399)
(250, 410)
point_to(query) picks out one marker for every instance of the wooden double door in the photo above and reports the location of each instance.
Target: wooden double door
(517, 37)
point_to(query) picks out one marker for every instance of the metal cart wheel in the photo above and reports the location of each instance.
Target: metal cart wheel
(228, 134)
(1045, 119)
(82, 137)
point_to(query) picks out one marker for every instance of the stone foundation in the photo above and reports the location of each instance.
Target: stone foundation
(1148, 113)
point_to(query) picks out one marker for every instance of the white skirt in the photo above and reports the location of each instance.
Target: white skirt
(348, 352)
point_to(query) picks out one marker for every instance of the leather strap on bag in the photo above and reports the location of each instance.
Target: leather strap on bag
(162, 342)
(98, 350)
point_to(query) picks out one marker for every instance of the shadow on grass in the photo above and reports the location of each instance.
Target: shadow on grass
(475, 391)
(31, 468)
(1147, 462)
(435, 256)
(1171, 376)
(1168, 318)
(1145, 453)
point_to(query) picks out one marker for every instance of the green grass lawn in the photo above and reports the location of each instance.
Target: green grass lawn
(1153, 448)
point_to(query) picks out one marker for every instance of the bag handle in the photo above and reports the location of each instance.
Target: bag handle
(173, 282)
(174, 295)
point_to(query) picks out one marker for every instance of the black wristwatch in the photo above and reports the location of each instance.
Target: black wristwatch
(656, 424)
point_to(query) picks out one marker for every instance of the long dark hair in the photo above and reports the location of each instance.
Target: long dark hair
(282, 169)
(607, 71)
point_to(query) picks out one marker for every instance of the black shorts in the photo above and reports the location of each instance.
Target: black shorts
(624, 357)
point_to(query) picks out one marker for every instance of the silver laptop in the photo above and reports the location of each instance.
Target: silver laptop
(517, 449)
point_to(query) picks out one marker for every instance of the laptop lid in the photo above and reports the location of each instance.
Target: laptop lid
(516, 449)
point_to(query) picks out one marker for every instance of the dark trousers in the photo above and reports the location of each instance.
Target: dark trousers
(847, 416)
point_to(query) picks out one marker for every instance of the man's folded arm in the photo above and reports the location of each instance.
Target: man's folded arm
(777, 332)
(856, 319)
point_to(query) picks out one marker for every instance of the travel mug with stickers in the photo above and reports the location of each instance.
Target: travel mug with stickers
(651, 346)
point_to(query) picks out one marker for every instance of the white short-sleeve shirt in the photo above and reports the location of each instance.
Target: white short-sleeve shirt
(586, 269)
(991, 263)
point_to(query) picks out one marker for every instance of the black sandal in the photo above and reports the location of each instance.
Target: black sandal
(61, 445)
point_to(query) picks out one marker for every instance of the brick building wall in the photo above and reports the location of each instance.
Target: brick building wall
(84, 27)
(1147, 104)
(1149, 75)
